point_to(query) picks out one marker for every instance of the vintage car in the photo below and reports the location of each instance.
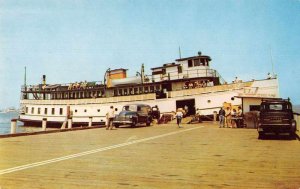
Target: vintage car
(133, 114)
(276, 116)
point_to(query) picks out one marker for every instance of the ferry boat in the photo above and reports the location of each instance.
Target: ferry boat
(187, 83)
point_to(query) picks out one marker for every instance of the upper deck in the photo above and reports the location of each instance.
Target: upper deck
(192, 72)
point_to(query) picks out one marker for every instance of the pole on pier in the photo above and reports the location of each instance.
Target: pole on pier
(13, 126)
(215, 116)
(44, 124)
(90, 121)
(69, 123)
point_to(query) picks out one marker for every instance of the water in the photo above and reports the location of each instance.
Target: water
(5, 121)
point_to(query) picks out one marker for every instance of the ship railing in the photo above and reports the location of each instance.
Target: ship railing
(205, 73)
(64, 86)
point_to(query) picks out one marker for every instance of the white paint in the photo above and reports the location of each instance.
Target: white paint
(36, 164)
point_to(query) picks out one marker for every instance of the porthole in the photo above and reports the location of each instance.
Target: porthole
(85, 110)
(232, 98)
(76, 111)
(208, 101)
(98, 110)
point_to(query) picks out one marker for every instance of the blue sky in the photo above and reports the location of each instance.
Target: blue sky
(76, 40)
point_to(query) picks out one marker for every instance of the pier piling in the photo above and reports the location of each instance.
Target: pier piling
(90, 121)
(44, 124)
(13, 126)
(69, 123)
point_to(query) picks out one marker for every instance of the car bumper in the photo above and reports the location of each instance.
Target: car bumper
(268, 128)
(122, 122)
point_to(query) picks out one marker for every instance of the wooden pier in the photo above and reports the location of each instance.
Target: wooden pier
(160, 156)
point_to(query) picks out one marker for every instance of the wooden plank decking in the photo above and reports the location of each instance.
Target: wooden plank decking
(161, 156)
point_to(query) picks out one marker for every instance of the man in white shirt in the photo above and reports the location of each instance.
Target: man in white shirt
(110, 117)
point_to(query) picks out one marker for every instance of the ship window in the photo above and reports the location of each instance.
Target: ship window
(26, 110)
(60, 111)
(115, 92)
(164, 71)
(146, 89)
(125, 91)
(75, 111)
(32, 110)
(98, 110)
(254, 107)
(151, 89)
(203, 62)
(179, 68)
(196, 62)
(85, 110)
(232, 98)
(141, 90)
(208, 101)
(157, 87)
(46, 111)
(53, 111)
(130, 91)
(190, 63)
(120, 92)
(135, 90)
(39, 110)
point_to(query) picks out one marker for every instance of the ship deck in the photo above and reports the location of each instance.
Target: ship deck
(160, 156)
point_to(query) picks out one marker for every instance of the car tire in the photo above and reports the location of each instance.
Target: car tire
(261, 135)
(148, 122)
(133, 124)
(117, 125)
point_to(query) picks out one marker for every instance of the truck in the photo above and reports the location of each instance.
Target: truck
(276, 116)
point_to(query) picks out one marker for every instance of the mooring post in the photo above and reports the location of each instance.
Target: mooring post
(215, 116)
(90, 121)
(44, 124)
(13, 126)
(69, 123)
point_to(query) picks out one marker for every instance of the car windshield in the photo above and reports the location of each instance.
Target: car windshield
(130, 108)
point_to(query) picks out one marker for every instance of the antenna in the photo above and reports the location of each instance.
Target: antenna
(179, 53)
(272, 62)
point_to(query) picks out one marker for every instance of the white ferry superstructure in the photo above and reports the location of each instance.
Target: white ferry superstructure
(185, 82)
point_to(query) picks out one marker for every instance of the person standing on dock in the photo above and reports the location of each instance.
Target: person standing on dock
(222, 117)
(228, 117)
(110, 117)
(179, 116)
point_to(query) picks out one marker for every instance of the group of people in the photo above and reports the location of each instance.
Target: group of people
(230, 118)
(198, 84)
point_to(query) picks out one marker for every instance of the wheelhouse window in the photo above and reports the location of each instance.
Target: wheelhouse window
(60, 111)
(53, 111)
(196, 62)
(39, 110)
(190, 63)
(32, 110)
(179, 68)
(46, 111)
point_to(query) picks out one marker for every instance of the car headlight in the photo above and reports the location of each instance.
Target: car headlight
(293, 124)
